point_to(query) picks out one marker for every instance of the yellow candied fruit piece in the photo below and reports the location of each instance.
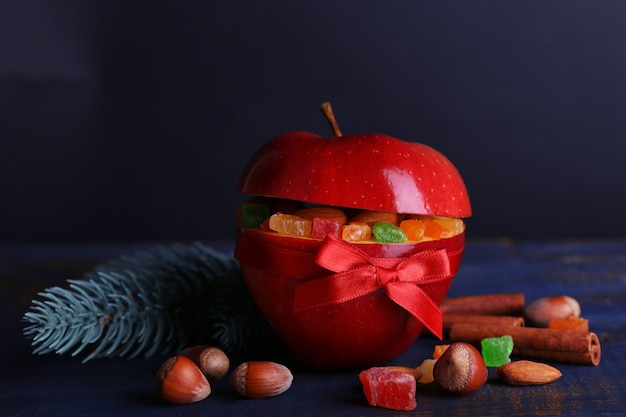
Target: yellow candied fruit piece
(426, 368)
(288, 224)
(356, 232)
(453, 226)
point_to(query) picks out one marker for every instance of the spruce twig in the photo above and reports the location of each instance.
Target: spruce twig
(156, 301)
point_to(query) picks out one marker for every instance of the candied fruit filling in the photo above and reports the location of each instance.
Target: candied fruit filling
(291, 218)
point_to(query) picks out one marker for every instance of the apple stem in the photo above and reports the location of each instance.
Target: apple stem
(328, 113)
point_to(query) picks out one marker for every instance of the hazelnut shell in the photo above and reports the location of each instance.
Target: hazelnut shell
(460, 370)
(180, 381)
(261, 379)
(211, 360)
(541, 311)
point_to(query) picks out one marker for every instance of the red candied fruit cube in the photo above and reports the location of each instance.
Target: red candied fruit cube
(386, 388)
(323, 227)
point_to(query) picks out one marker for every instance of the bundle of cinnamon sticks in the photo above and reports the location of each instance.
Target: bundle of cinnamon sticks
(474, 318)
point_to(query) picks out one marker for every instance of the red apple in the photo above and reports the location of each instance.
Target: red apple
(360, 324)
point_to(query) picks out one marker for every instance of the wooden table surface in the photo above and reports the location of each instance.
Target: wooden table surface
(593, 272)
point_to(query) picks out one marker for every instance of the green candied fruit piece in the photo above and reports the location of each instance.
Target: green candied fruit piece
(253, 215)
(388, 233)
(496, 350)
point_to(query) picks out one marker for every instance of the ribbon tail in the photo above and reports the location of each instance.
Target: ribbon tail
(415, 300)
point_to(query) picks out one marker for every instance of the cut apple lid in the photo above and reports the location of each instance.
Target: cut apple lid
(369, 172)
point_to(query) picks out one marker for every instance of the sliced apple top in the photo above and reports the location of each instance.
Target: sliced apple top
(371, 172)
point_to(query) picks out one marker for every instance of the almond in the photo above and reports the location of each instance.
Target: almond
(370, 217)
(525, 372)
(323, 212)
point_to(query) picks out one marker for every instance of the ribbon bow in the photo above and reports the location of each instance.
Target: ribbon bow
(358, 274)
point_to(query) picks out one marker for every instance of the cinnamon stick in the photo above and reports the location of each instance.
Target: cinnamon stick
(570, 346)
(479, 320)
(511, 304)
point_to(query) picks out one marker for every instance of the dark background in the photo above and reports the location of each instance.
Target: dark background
(132, 120)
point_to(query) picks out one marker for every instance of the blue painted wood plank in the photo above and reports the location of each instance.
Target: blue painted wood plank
(592, 272)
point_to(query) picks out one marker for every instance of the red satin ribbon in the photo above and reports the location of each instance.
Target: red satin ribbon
(357, 274)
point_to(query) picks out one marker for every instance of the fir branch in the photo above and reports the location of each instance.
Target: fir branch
(157, 301)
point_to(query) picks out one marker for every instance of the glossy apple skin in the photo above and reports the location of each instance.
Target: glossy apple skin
(366, 331)
(369, 171)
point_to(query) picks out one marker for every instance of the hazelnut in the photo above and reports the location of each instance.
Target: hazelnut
(461, 369)
(261, 379)
(180, 381)
(541, 311)
(211, 360)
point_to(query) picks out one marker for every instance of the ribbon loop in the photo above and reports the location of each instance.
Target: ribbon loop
(357, 274)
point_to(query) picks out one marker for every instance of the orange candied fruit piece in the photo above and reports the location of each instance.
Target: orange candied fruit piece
(578, 324)
(434, 229)
(413, 228)
(356, 232)
(288, 224)
(439, 349)
(440, 227)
